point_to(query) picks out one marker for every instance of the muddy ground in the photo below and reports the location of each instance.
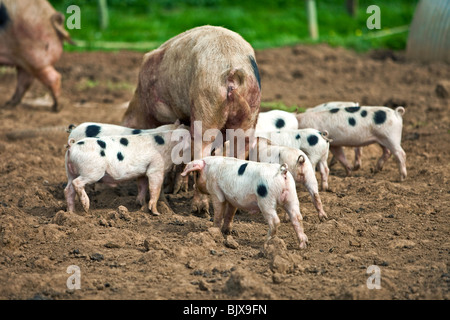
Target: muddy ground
(124, 253)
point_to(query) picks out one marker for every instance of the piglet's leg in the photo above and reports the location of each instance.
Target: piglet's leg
(399, 155)
(357, 163)
(270, 215)
(230, 211)
(310, 183)
(293, 210)
(70, 193)
(318, 205)
(324, 172)
(384, 157)
(24, 81)
(79, 184)
(219, 210)
(338, 152)
(142, 190)
(155, 179)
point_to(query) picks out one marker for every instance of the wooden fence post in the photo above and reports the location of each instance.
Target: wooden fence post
(103, 14)
(312, 19)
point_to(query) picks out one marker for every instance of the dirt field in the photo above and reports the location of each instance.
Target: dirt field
(124, 253)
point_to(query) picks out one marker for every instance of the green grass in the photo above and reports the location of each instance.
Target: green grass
(263, 23)
(281, 106)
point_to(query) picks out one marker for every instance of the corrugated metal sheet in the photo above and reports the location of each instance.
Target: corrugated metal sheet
(429, 35)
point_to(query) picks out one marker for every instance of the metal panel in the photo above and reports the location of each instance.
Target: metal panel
(429, 35)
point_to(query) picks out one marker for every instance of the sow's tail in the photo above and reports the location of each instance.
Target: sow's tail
(57, 20)
(242, 99)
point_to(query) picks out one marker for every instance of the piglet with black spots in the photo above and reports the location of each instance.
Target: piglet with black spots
(298, 164)
(248, 185)
(97, 130)
(275, 120)
(332, 104)
(313, 142)
(114, 159)
(360, 126)
(336, 105)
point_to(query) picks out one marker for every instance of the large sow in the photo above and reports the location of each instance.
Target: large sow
(206, 74)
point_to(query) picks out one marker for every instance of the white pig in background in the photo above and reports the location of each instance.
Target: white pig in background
(275, 120)
(339, 104)
(114, 159)
(233, 183)
(332, 104)
(360, 126)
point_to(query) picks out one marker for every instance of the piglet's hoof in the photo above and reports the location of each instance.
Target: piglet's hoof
(163, 208)
(146, 209)
(201, 210)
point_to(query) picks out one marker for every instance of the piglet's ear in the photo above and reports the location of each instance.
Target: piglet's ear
(196, 165)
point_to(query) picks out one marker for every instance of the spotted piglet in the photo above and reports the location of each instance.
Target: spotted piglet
(248, 185)
(114, 159)
(360, 126)
(311, 141)
(333, 105)
(298, 164)
(275, 120)
(97, 130)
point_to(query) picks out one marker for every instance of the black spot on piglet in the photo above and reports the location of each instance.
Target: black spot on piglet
(297, 136)
(92, 130)
(363, 113)
(101, 143)
(352, 109)
(124, 141)
(261, 190)
(334, 110)
(136, 131)
(379, 117)
(120, 156)
(80, 142)
(279, 123)
(312, 140)
(242, 169)
(159, 140)
(352, 121)
(102, 153)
